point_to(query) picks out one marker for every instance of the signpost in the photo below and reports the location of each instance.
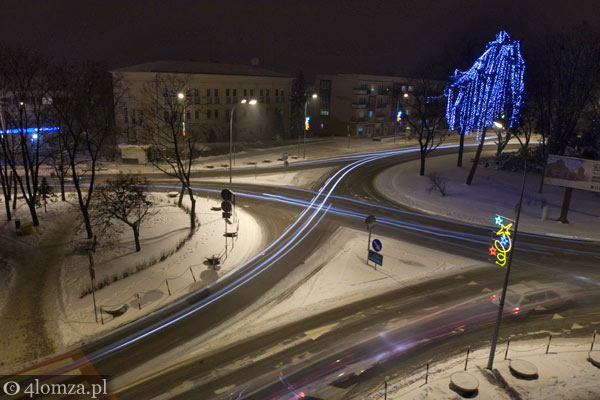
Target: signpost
(377, 246)
(376, 258)
(370, 221)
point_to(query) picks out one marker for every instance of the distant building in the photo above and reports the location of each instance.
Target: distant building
(212, 91)
(359, 105)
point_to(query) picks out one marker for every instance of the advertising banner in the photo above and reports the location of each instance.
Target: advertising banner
(576, 173)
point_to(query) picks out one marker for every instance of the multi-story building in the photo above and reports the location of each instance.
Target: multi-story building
(359, 105)
(212, 89)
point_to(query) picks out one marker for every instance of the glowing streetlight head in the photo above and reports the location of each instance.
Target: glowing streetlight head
(405, 95)
(314, 96)
(252, 102)
(499, 123)
(243, 101)
(180, 96)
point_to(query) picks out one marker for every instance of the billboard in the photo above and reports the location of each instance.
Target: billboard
(576, 173)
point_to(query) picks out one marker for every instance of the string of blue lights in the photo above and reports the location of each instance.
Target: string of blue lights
(491, 88)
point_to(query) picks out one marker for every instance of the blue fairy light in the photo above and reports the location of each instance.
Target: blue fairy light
(493, 86)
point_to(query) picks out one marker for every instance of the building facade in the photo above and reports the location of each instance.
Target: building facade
(211, 91)
(359, 105)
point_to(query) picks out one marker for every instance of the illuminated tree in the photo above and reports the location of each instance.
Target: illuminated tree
(491, 88)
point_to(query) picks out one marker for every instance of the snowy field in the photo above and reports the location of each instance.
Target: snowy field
(491, 192)
(182, 272)
(563, 373)
(336, 274)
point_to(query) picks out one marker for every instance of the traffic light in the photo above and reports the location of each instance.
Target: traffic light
(307, 123)
(399, 116)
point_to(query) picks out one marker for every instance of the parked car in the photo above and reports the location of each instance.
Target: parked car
(522, 299)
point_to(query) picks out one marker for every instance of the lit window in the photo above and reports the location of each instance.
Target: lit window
(324, 112)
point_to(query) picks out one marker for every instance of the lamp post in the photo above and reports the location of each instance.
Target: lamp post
(500, 123)
(181, 97)
(244, 101)
(314, 96)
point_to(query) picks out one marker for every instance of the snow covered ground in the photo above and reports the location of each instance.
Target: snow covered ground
(336, 274)
(491, 192)
(305, 178)
(184, 270)
(563, 373)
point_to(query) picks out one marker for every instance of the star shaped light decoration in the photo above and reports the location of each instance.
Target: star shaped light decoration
(499, 220)
(504, 241)
(492, 250)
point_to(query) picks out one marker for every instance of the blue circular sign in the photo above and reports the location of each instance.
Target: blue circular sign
(377, 245)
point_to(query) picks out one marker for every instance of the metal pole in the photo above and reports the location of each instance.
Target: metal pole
(305, 104)
(369, 246)
(230, 142)
(385, 391)
(507, 275)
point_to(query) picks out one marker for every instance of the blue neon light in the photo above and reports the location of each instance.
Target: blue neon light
(31, 130)
(493, 86)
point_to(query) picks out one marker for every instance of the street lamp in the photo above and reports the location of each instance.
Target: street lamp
(314, 96)
(244, 101)
(501, 124)
(181, 97)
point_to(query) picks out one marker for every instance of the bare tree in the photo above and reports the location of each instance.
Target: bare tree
(425, 110)
(565, 71)
(25, 109)
(174, 149)
(125, 199)
(84, 100)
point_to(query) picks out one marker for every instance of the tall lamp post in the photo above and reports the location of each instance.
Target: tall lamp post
(181, 97)
(314, 96)
(501, 124)
(244, 101)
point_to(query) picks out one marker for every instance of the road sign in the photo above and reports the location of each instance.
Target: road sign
(375, 257)
(284, 157)
(370, 220)
(377, 245)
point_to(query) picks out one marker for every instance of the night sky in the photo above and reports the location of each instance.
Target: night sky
(384, 37)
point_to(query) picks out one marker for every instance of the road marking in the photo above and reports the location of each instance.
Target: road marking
(576, 326)
(485, 290)
(459, 277)
(557, 316)
(316, 333)
(472, 283)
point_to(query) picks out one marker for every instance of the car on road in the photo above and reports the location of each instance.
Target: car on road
(523, 299)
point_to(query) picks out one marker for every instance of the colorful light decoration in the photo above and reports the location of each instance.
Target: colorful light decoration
(30, 130)
(307, 123)
(501, 242)
(399, 116)
(491, 87)
(183, 127)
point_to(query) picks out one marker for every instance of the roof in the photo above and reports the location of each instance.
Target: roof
(196, 67)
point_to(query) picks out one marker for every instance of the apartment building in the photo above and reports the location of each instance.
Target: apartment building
(359, 105)
(212, 89)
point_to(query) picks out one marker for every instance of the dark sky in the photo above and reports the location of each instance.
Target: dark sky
(367, 36)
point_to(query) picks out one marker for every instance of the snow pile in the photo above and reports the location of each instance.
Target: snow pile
(564, 372)
(491, 192)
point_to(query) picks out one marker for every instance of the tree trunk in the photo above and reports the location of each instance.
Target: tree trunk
(62, 188)
(33, 212)
(192, 209)
(88, 223)
(477, 155)
(181, 192)
(14, 179)
(422, 169)
(136, 236)
(6, 197)
(461, 146)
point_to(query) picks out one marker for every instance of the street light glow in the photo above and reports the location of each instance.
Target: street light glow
(252, 102)
(180, 96)
(243, 101)
(314, 96)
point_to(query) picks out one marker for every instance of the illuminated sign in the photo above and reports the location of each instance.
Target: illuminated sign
(501, 241)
